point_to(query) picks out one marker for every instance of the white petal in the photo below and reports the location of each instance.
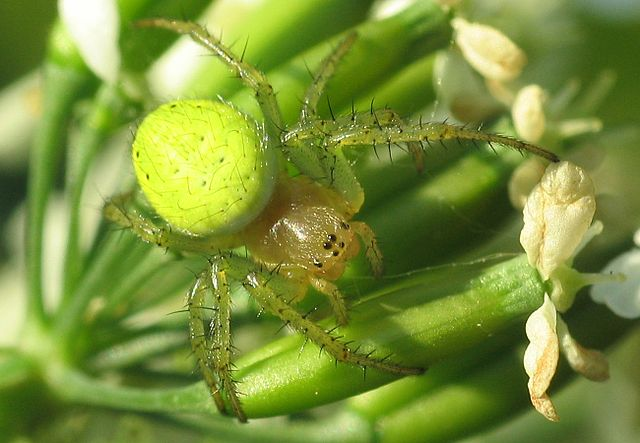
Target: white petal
(541, 356)
(528, 113)
(94, 25)
(623, 298)
(557, 215)
(489, 51)
(590, 363)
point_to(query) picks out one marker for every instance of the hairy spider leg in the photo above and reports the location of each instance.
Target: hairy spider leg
(372, 251)
(116, 211)
(252, 77)
(209, 305)
(337, 172)
(305, 159)
(335, 297)
(269, 291)
(343, 132)
(209, 314)
(323, 75)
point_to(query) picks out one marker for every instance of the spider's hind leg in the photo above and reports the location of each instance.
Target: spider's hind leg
(209, 306)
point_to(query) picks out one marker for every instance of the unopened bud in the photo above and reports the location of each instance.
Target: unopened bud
(488, 50)
(528, 113)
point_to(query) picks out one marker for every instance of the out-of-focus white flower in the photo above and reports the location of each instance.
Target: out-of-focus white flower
(94, 25)
(623, 298)
(557, 224)
(488, 50)
(528, 113)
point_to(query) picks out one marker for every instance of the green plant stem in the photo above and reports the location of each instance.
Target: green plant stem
(74, 386)
(421, 318)
(70, 316)
(14, 368)
(481, 396)
(62, 86)
(436, 217)
(107, 112)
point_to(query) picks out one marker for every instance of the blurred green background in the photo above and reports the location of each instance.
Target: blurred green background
(607, 37)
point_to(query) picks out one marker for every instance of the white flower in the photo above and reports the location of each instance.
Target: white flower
(489, 51)
(94, 26)
(623, 298)
(557, 223)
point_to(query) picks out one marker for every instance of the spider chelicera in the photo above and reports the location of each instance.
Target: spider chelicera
(217, 178)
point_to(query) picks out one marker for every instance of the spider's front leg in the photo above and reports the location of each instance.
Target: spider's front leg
(252, 77)
(209, 305)
(271, 291)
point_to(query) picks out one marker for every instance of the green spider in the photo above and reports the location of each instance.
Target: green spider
(215, 177)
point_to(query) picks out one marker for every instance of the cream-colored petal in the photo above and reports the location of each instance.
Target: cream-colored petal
(590, 363)
(557, 215)
(488, 50)
(545, 406)
(541, 356)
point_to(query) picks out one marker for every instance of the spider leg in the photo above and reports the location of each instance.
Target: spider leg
(323, 75)
(252, 77)
(116, 210)
(335, 171)
(336, 299)
(209, 306)
(350, 135)
(372, 251)
(275, 302)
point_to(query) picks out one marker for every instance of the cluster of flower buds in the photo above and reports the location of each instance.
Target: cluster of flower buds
(558, 219)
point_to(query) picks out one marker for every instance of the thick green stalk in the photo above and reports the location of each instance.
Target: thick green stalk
(483, 395)
(420, 319)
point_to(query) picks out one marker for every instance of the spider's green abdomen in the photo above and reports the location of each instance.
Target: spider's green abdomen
(203, 166)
